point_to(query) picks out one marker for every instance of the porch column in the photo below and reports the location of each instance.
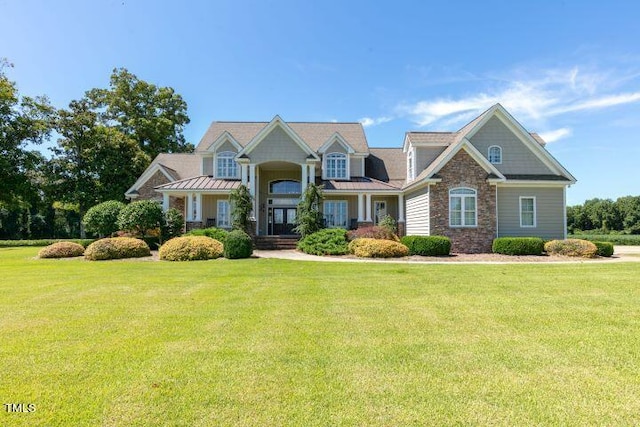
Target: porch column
(400, 207)
(368, 207)
(312, 174)
(198, 207)
(244, 173)
(305, 177)
(252, 179)
(189, 206)
(360, 202)
(165, 202)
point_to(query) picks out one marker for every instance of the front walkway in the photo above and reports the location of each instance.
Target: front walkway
(621, 254)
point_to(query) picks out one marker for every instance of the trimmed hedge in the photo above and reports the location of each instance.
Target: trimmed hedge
(42, 242)
(377, 248)
(329, 241)
(427, 245)
(215, 233)
(116, 248)
(616, 239)
(374, 232)
(605, 249)
(190, 248)
(572, 248)
(238, 245)
(61, 250)
(518, 246)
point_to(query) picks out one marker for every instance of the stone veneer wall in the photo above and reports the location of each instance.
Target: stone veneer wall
(147, 191)
(463, 171)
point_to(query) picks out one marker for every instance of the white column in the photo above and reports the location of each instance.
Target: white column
(189, 206)
(360, 211)
(312, 174)
(165, 202)
(245, 174)
(252, 179)
(400, 207)
(198, 206)
(305, 177)
(368, 207)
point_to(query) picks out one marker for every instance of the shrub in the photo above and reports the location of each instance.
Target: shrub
(571, 247)
(309, 219)
(116, 248)
(616, 239)
(377, 248)
(42, 242)
(140, 217)
(102, 219)
(330, 241)
(61, 250)
(238, 245)
(173, 224)
(190, 248)
(372, 233)
(242, 202)
(427, 245)
(518, 246)
(215, 233)
(389, 223)
(605, 249)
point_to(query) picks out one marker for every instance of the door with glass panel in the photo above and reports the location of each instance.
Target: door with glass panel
(282, 220)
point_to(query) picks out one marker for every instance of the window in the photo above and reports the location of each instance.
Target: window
(335, 213)
(224, 214)
(226, 166)
(495, 155)
(379, 211)
(527, 211)
(336, 166)
(285, 187)
(463, 210)
(410, 168)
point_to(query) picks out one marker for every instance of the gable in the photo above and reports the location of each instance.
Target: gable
(227, 146)
(277, 145)
(517, 157)
(336, 147)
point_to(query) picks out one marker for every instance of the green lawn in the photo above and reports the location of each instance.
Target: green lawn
(270, 342)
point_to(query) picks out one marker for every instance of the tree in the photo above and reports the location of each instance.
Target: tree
(309, 218)
(173, 224)
(242, 204)
(154, 117)
(629, 209)
(102, 219)
(140, 217)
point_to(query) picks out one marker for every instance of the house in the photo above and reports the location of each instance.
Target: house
(491, 178)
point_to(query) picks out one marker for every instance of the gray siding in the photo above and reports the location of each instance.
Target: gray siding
(549, 212)
(425, 156)
(356, 166)
(517, 158)
(207, 165)
(227, 146)
(336, 148)
(278, 146)
(417, 213)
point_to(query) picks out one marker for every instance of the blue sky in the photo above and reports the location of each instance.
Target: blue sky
(569, 70)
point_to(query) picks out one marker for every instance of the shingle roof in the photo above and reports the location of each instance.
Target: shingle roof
(314, 134)
(432, 137)
(180, 165)
(387, 165)
(200, 183)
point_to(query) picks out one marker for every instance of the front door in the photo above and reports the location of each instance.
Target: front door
(282, 220)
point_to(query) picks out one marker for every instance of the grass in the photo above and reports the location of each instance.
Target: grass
(271, 342)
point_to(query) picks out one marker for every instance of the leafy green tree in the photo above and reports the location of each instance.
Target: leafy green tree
(242, 205)
(629, 208)
(140, 217)
(102, 219)
(309, 218)
(154, 117)
(173, 224)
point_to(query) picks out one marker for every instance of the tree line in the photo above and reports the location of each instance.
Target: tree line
(605, 216)
(103, 142)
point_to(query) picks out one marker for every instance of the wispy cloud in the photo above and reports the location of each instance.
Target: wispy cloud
(547, 94)
(555, 135)
(368, 121)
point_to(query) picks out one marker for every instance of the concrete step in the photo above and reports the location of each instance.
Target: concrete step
(276, 242)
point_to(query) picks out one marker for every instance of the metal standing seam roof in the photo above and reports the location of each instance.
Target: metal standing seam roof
(358, 184)
(200, 183)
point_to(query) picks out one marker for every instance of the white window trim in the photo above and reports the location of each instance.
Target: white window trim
(411, 165)
(226, 155)
(489, 154)
(325, 169)
(346, 204)
(535, 212)
(228, 203)
(274, 180)
(462, 206)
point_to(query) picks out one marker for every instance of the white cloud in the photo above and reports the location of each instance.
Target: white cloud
(536, 98)
(554, 135)
(368, 121)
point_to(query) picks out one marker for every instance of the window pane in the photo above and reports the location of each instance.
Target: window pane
(456, 203)
(456, 218)
(470, 203)
(469, 218)
(527, 218)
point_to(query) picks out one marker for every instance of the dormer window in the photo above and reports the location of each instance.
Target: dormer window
(226, 166)
(495, 155)
(336, 166)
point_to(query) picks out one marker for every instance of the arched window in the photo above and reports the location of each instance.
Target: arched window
(336, 166)
(495, 155)
(463, 208)
(284, 186)
(226, 167)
